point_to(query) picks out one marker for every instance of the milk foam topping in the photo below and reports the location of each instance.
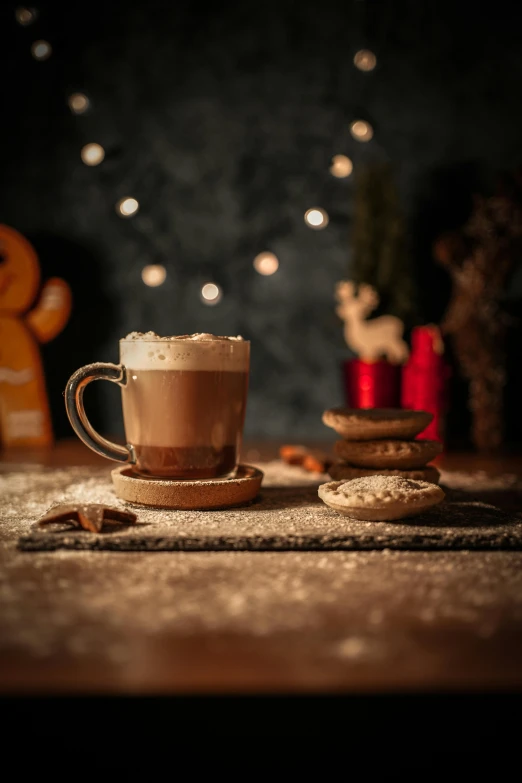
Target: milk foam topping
(200, 351)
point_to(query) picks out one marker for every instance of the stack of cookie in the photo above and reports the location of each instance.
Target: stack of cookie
(382, 441)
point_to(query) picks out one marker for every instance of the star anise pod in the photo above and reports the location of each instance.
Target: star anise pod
(89, 516)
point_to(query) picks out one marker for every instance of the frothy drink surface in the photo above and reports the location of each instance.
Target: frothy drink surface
(184, 403)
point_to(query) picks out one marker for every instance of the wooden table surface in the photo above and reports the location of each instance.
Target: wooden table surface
(245, 622)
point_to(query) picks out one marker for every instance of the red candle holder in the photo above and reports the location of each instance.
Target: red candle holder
(425, 379)
(371, 384)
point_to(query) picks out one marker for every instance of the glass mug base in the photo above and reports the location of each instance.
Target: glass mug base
(147, 476)
(167, 462)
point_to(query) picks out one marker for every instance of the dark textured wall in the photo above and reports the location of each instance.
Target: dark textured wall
(222, 122)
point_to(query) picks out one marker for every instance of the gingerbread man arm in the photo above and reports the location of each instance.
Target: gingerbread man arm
(52, 312)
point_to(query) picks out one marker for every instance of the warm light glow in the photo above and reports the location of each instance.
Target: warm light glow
(25, 16)
(41, 50)
(211, 293)
(78, 103)
(127, 207)
(365, 60)
(153, 275)
(341, 166)
(361, 130)
(266, 263)
(316, 218)
(92, 154)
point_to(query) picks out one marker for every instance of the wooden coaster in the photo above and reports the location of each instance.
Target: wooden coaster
(186, 494)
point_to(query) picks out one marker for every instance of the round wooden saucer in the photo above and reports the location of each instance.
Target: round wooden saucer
(186, 494)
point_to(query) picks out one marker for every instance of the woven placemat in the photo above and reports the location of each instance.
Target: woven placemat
(478, 514)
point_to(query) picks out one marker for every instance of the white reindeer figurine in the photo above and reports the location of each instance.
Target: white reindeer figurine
(370, 340)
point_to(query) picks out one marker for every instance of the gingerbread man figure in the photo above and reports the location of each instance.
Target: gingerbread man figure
(24, 409)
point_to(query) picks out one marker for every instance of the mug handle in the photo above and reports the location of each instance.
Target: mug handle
(76, 411)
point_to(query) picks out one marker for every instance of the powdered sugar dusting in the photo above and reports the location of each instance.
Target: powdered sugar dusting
(288, 507)
(480, 480)
(297, 619)
(378, 483)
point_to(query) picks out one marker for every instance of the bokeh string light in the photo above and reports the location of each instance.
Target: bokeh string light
(211, 293)
(361, 130)
(92, 154)
(316, 218)
(127, 207)
(78, 103)
(341, 166)
(26, 16)
(154, 275)
(266, 263)
(41, 50)
(365, 60)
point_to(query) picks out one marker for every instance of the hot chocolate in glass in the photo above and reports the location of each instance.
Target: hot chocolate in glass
(184, 401)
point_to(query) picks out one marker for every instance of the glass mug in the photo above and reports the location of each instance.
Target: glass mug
(184, 402)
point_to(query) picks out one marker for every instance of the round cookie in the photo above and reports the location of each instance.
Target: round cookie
(375, 423)
(380, 498)
(342, 471)
(401, 454)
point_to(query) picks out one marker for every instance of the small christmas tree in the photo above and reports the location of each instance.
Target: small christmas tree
(381, 254)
